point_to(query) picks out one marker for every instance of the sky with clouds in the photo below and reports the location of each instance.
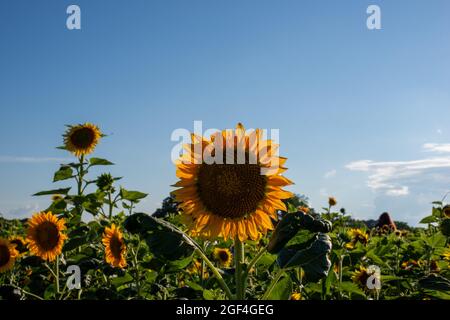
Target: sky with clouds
(363, 114)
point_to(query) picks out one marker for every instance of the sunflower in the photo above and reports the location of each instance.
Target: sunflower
(446, 211)
(196, 269)
(223, 256)
(236, 195)
(82, 139)
(357, 235)
(115, 248)
(45, 238)
(296, 296)
(20, 243)
(332, 201)
(446, 254)
(361, 276)
(8, 255)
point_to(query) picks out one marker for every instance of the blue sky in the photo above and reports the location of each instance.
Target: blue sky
(363, 114)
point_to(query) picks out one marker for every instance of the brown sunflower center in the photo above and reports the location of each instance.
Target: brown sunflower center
(5, 255)
(83, 137)
(47, 235)
(223, 255)
(231, 190)
(116, 247)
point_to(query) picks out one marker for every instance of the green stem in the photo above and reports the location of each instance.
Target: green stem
(57, 274)
(273, 284)
(239, 258)
(249, 268)
(215, 272)
(110, 205)
(81, 175)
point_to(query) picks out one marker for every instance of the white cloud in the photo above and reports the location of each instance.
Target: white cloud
(330, 174)
(437, 147)
(396, 178)
(403, 191)
(14, 159)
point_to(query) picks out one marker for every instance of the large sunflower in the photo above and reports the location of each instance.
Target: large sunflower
(44, 236)
(82, 139)
(8, 255)
(236, 196)
(115, 248)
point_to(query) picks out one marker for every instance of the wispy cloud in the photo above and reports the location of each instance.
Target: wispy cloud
(330, 174)
(16, 159)
(396, 178)
(437, 147)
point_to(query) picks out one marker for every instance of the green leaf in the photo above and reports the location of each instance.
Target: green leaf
(165, 241)
(291, 223)
(435, 282)
(429, 219)
(64, 173)
(353, 289)
(150, 276)
(74, 243)
(99, 162)
(51, 192)
(120, 281)
(208, 295)
(132, 195)
(282, 290)
(314, 259)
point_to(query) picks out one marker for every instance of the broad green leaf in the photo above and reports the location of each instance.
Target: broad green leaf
(99, 162)
(119, 281)
(64, 173)
(282, 290)
(51, 192)
(313, 259)
(132, 195)
(429, 219)
(435, 282)
(291, 223)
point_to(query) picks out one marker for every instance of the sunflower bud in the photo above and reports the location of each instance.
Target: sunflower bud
(105, 182)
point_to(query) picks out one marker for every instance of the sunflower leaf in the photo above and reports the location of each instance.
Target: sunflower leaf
(64, 173)
(51, 192)
(435, 282)
(282, 290)
(313, 259)
(132, 195)
(99, 162)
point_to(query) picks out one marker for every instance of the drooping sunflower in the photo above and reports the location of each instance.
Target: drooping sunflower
(236, 194)
(8, 255)
(82, 139)
(115, 248)
(223, 256)
(358, 235)
(45, 235)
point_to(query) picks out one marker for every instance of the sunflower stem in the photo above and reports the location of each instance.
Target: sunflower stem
(239, 264)
(57, 274)
(215, 272)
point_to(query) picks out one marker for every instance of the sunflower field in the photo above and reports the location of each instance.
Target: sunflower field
(227, 232)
